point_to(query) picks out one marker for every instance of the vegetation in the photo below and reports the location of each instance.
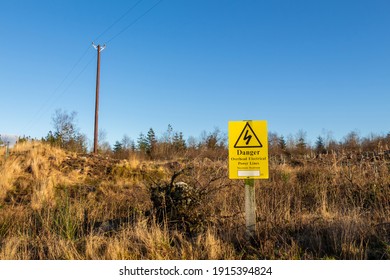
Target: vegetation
(171, 199)
(66, 135)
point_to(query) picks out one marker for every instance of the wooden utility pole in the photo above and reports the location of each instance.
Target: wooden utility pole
(250, 208)
(96, 130)
(6, 149)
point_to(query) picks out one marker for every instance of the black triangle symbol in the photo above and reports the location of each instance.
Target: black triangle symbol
(246, 135)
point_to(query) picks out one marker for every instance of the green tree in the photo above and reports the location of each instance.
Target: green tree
(320, 146)
(142, 143)
(151, 142)
(118, 148)
(301, 144)
(282, 143)
(178, 142)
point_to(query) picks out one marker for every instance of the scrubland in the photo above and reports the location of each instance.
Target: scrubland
(56, 204)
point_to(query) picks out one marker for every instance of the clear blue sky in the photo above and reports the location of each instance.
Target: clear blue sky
(317, 66)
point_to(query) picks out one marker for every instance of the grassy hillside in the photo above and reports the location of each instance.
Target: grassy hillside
(60, 205)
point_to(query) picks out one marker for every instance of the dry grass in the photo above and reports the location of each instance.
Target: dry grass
(59, 205)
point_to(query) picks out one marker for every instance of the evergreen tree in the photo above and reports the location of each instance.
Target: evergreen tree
(282, 143)
(142, 143)
(151, 142)
(118, 148)
(301, 143)
(320, 146)
(178, 142)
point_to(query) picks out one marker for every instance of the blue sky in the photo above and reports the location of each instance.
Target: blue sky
(322, 67)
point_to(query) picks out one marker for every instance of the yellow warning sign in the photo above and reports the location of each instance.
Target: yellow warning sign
(248, 149)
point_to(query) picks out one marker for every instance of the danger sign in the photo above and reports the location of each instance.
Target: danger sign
(248, 150)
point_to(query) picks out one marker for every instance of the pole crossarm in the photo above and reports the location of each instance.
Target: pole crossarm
(101, 48)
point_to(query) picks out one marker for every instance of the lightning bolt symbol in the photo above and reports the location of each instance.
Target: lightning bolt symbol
(247, 137)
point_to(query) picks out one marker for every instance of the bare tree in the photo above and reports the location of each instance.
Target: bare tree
(66, 133)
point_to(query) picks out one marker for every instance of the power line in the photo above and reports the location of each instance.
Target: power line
(53, 93)
(54, 96)
(134, 22)
(118, 20)
(78, 75)
(76, 64)
(99, 49)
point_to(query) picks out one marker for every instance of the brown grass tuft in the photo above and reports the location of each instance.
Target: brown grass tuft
(60, 205)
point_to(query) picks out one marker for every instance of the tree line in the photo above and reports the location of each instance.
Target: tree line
(172, 144)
